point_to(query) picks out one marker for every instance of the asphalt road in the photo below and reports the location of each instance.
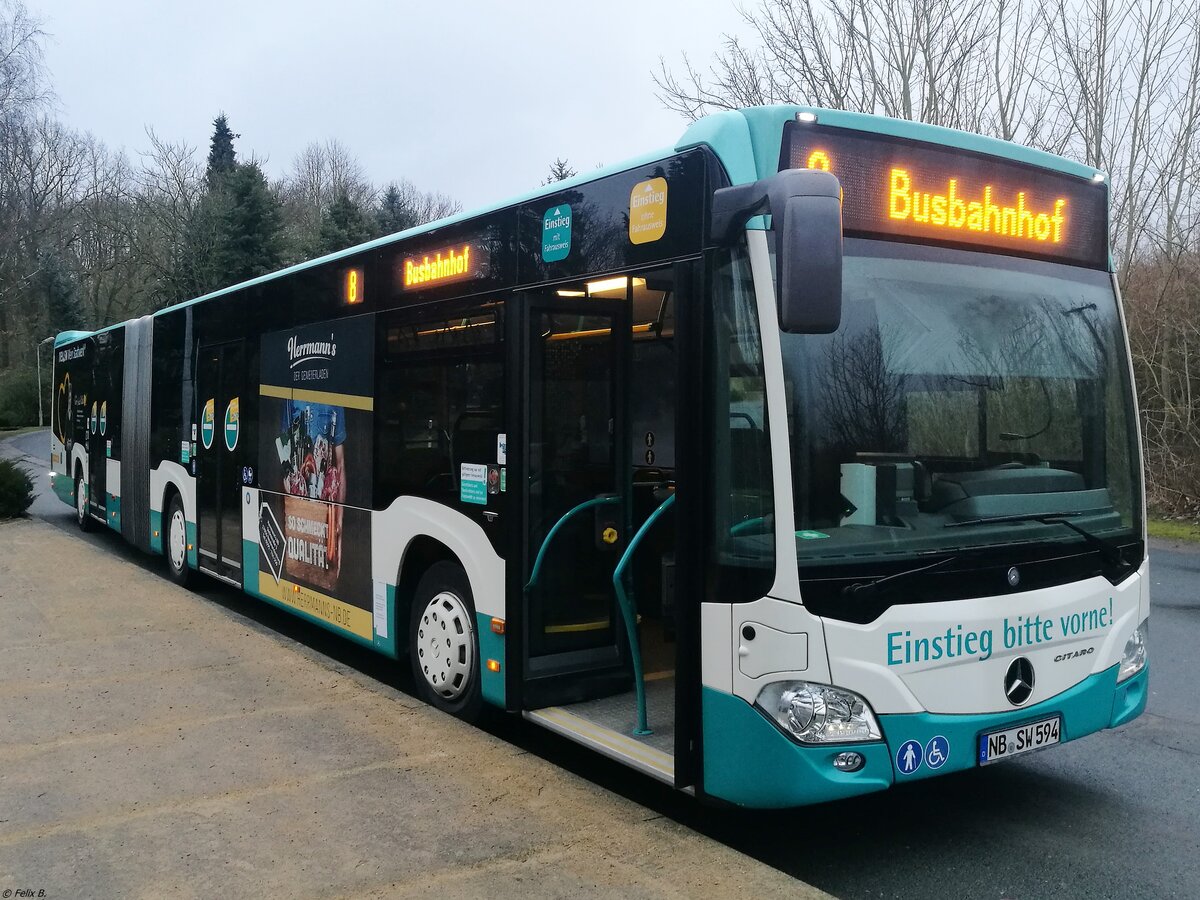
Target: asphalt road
(1116, 814)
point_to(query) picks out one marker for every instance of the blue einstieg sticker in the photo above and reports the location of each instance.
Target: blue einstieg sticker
(472, 483)
(556, 233)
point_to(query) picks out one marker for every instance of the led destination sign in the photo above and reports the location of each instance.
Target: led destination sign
(925, 192)
(441, 266)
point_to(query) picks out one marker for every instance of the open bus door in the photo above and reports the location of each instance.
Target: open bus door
(569, 440)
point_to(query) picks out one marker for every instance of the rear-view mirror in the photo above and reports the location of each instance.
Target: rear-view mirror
(806, 211)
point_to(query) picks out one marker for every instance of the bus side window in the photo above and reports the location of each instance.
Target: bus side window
(440, 403)
(743, 539)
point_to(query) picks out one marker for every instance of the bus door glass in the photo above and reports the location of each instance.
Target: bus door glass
(96, 429)
(219, 380)
(575, 469)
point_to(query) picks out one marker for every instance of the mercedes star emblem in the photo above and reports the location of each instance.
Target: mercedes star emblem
(1018, 681)
(1014, 577)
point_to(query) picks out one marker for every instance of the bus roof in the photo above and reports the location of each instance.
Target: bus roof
(746, 141)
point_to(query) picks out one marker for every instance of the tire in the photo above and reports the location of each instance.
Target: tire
(175, 543)
(443, 647)
(82, 517)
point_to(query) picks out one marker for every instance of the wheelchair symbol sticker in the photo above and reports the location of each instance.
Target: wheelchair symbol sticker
(937, 751)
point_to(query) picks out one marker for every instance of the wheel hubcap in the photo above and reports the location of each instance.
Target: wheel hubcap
(446, 645)
(177, 540)
(81, 501)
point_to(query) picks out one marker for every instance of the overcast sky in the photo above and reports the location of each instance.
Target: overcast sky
(473, 99)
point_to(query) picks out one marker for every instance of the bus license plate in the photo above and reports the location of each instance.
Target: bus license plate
(997, 745)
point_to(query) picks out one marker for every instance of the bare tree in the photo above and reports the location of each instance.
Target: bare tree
(321, 173)
(428, 206)
(913, 59)
(167, 189)
(42, 175)
(1113, 83)
(22, 83)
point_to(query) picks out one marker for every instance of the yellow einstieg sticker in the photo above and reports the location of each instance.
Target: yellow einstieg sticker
(232, 424)
(648, 211)
(208, 426)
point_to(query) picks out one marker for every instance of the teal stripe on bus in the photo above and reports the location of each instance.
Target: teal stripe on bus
(748, 761)
(156, 536)
(491, 646)
(787, 774)
(112, 511)
(1085, 709)
(64, 487)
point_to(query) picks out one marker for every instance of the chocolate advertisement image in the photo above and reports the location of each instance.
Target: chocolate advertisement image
(315, 416)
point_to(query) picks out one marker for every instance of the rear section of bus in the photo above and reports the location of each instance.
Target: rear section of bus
(950, 539)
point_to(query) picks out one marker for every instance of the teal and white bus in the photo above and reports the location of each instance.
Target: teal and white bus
(793, 461)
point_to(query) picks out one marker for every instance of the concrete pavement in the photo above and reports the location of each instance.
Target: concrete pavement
(156, 745)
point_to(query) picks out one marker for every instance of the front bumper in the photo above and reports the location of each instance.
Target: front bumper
(1096, 703)
(749, 762)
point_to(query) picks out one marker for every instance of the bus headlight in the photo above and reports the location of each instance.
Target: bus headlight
(1133, 660)
(818, 713)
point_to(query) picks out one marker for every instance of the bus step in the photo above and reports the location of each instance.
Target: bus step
(613, 744)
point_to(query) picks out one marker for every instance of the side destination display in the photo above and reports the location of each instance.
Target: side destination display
(316, 422)
(929, 193)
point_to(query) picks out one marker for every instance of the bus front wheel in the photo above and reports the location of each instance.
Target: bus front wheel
(82, 517)
(175, 543)
(443, 649)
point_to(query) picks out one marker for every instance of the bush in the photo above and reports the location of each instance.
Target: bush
(16, 489)
(18, 398)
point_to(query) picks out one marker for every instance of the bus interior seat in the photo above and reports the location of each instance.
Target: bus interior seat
(473, 439)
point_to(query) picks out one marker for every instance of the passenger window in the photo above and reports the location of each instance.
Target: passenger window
(440, 402)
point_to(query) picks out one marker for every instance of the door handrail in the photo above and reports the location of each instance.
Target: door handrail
(541, 554)
(629, 614)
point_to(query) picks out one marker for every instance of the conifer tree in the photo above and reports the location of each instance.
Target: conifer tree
(560, 170)
(393, 213)
(221, 156)
(343, 224)
(248, 227)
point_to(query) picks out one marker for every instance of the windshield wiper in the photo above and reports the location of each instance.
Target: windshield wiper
(1109, 552)
(870, 588)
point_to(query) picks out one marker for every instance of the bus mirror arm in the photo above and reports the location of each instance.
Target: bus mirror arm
(805, 206)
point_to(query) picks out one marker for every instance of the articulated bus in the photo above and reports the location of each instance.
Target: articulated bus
(782, 465)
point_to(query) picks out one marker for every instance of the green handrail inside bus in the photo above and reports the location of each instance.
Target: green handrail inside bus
(541, 555)
(748, 526)
(753, 526)
(629, 614)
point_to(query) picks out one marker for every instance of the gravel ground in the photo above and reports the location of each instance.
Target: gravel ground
(157, 745)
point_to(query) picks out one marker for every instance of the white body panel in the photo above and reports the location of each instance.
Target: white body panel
(79, 459)
(801, 655)
(112, 477)
(972, 682)
(716, 641)
(393, 529)
(787, 578)
(250, 513)
(173, 473)
(58, 460)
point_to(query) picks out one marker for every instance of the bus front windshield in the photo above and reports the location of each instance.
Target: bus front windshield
(963, 395)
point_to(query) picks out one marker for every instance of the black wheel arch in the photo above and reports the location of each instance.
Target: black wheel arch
(421, 554)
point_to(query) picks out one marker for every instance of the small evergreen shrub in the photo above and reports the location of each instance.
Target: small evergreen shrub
(16, 489)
